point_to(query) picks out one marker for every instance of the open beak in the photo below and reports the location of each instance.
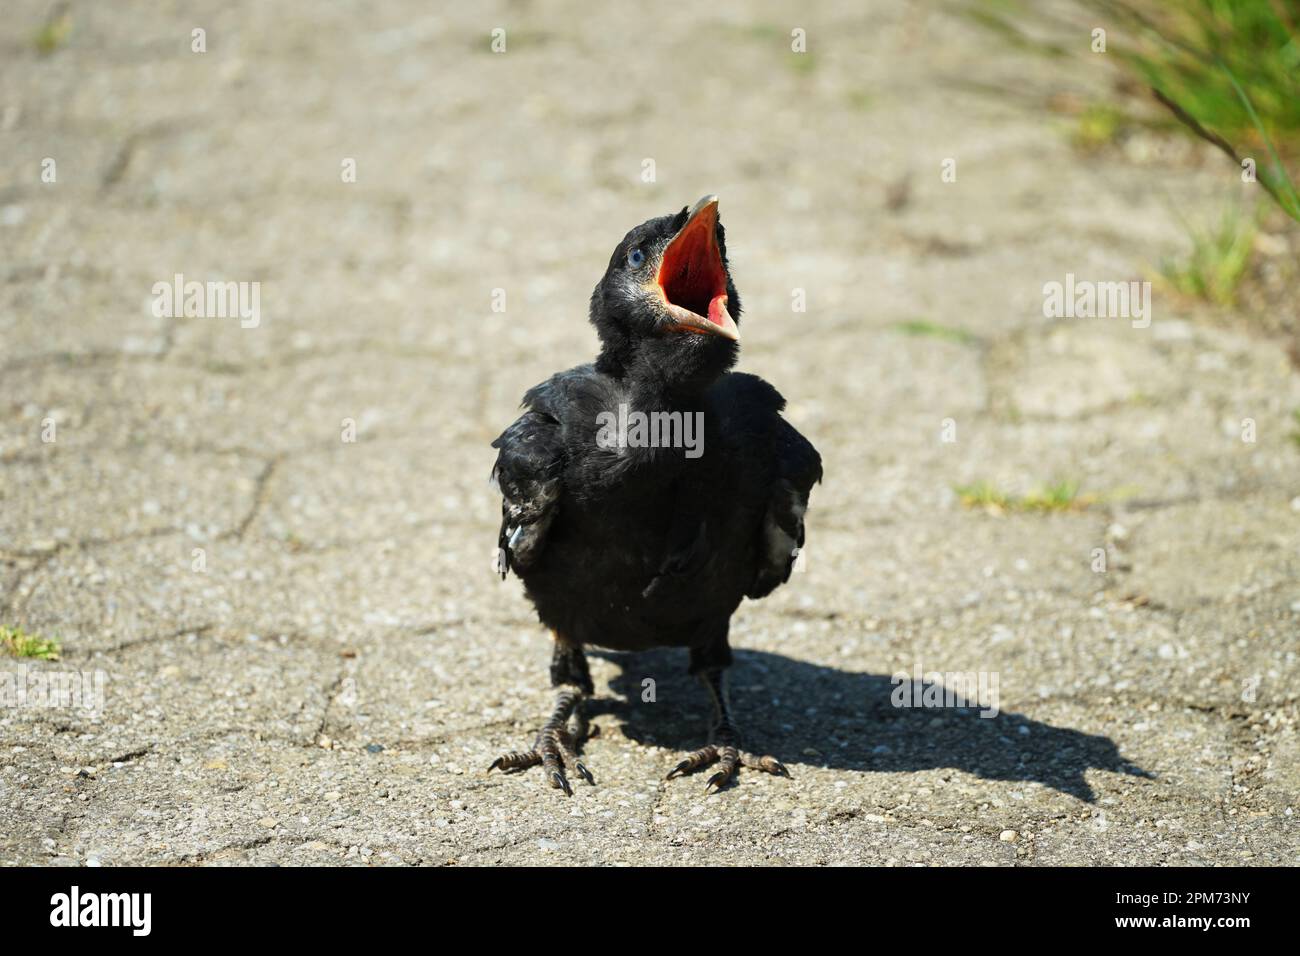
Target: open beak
(691, 277)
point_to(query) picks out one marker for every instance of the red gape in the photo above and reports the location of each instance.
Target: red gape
(691, 272)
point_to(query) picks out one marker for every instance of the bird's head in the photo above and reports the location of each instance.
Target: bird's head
(666, 306)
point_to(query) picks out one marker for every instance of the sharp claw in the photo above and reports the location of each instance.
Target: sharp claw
(774, 767)
(558, 780)
(495, 763)
(717, 780)
(586, 774)
(680, 768)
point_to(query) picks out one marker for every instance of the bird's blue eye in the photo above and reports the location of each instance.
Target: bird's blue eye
(635, 258)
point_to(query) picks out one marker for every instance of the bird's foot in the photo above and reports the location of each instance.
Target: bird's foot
(729, 760)
(556, 748)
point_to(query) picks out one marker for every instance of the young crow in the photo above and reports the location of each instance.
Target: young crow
(646, 494)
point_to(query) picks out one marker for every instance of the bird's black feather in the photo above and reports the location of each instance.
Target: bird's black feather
(528, 473)
(632, 544)
(636, 547)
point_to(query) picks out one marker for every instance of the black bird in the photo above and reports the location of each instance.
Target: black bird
(647, 494)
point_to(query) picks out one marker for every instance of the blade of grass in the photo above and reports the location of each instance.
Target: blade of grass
(1287, 201)
(1294, 208)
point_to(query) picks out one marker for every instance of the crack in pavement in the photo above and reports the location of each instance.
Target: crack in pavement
(261, 495)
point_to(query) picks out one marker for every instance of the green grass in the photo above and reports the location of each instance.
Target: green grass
(763, 32)
(924, 327)
(801, 63)
(1098, 125)
(1054, 497)
(1232, 66)
(17, 642)
(770, 34)
(983, 494)
(52, 34)
(1227, 71)
(1218, 261)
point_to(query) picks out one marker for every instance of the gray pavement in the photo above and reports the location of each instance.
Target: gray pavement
(305, 655)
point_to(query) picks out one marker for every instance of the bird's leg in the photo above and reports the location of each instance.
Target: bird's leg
(724, 741)
(556, 744)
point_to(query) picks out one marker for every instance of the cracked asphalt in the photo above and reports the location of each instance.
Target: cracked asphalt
(305, 656)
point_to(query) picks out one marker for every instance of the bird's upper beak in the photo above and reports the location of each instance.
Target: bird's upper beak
(692, 278)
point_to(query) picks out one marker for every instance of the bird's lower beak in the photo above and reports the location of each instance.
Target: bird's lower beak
(692, 278)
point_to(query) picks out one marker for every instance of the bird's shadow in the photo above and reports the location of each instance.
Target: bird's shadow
(804, 713)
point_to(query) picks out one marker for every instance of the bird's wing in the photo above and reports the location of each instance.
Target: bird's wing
(799, 467)
(532, 455)
(785, 464)
(528, 472)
